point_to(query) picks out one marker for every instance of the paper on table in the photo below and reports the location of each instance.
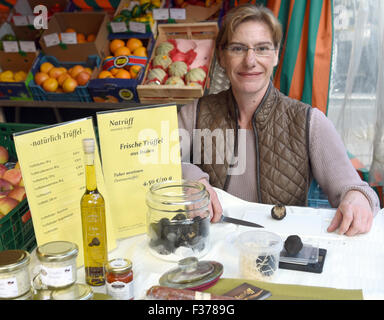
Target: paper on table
(295, 222)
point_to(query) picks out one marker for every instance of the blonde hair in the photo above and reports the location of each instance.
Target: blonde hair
(244, 13)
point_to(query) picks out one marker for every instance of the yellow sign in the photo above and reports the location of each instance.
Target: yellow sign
(52, 165)
(139, 148)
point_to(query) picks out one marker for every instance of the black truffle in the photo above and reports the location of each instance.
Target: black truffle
(293, 245)
(278, 212)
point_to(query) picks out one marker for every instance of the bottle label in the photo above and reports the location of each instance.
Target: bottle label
(120, 290)
(57, 277)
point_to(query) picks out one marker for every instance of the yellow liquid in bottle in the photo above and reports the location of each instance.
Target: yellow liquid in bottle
(94, 228)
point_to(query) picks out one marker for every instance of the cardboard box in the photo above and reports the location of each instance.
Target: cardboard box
(82, 22)
(16, 62)
(198, 13)
(28, 32)
(119, 90)
(168, 93)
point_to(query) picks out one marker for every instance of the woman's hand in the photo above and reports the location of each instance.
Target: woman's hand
(215, 208)
(353, 216)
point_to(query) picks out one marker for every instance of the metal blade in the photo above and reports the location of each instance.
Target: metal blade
(240, 222)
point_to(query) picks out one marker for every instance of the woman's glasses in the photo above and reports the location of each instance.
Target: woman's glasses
(241, 50)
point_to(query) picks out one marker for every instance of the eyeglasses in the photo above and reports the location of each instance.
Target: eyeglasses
(240, 50)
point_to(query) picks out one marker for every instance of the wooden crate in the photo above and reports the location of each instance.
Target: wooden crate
(180, 95)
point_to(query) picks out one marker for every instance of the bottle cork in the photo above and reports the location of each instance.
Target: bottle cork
(89, 145)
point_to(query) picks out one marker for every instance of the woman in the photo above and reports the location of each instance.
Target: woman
(277, 144)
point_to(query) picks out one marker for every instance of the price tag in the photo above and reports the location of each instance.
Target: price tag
(51, 40)
(177, 14)
(27, 46)
(68, 37)
(11, 46)
(119, 27)
(160, 14)
(137, 27)
(20, 20)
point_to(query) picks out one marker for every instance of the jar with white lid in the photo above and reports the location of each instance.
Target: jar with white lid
(57, 264)
(14, 274)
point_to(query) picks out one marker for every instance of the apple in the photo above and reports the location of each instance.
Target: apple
(4, 155)
(5, 187)
(7, 204)
(13, 176)
(18, 194)
(3, 168)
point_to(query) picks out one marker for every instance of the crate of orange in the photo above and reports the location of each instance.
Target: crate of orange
(55, 80)
(85, 34)
(122, 70)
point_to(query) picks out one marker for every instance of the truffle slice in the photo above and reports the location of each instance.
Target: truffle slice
(293, 245)
(278, 212)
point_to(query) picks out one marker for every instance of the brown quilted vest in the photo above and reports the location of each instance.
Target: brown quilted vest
(281, 127)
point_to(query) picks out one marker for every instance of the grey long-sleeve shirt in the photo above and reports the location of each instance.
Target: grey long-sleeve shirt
(330, 164)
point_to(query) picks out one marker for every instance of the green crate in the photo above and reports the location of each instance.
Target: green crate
(16, 228)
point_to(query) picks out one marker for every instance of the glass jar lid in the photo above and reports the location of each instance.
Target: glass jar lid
(57, 251)
(118, 265)
(11, 260)
(77, 291)
(192, 274)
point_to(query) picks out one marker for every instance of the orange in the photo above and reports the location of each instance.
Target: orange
(114, 71)
(105, 74)
(134, 43)
(76, 70)
(50, 85)
(70, 30)
(61, 78)
(122, 51)
(69, 85)
(115, 44)
(40, 77)
(46, 66)
(141, 52)
(89, 70)
(134, 71)
(80, 38)
(123, 74)
(55, 72)
(91, 37)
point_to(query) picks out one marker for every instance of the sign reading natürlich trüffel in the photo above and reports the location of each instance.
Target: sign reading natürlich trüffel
(52, 164)
(139, 147)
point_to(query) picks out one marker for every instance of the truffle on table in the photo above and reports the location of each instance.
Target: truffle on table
(293, 245)
(278, 212)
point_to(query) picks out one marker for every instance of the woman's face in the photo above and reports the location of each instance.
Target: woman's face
(248, 72)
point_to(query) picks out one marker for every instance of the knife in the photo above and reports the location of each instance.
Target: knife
(240, 222)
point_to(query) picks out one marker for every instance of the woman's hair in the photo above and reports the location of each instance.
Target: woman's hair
(245, 13)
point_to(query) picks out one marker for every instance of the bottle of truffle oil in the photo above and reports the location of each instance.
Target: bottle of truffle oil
(93, 222)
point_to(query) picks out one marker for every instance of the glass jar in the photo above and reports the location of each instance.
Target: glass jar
(119, 276)
(178, 220)
(14, 274)
(57, 264)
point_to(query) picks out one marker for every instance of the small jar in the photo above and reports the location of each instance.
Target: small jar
(14, 274)
(58, 264)
(178, 220)
(119, 276)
